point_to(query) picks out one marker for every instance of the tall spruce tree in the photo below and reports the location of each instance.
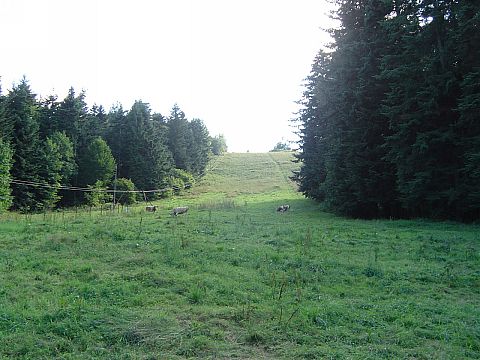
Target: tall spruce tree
(147, 161)
(200, 146)
(5, 161)
(48, 116)
(163, 157)
(98, 121)
(5, 178)
(21, 111)
(314, 132)
(116, 135)
(6, 123)
(73, 118)
(180, 139)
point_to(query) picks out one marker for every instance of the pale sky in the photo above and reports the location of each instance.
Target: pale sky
(236, 64)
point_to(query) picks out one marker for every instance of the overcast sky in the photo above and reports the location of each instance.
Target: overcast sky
(236, 64)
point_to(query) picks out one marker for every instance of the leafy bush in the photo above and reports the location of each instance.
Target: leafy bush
(185, 176)
(281, 146)
(176, 183)
(174, 186)
(97, 196)
(123, 198)
(218, 145)
(97, 163)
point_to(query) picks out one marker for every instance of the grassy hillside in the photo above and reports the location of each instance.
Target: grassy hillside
(235, 174)
(235, 279)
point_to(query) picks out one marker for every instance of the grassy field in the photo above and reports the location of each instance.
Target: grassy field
(235, 279)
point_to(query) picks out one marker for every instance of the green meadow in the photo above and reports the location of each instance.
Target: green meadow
(234, 279)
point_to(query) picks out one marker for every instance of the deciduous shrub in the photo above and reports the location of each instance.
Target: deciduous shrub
(125, 198)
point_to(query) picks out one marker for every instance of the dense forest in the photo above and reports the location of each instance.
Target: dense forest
(62, 153)
(390, 122)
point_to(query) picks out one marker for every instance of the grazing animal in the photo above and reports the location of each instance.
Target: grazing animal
(179, 210)
(151, 208)
(283, 208)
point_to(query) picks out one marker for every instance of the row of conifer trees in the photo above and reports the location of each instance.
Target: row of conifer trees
(390, 123)
(51, 148)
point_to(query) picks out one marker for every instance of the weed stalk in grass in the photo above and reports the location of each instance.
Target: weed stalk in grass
(140, 227)
(282, 288)
(298, 287)
(274, 283)
(307, 245)
(291, 316)
(183, 241)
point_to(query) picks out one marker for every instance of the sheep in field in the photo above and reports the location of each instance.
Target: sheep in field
(179, 210)
(151, 208)
(283, 208)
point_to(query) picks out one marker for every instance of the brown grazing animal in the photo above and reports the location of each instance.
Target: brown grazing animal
(151, 208)
(179, 210)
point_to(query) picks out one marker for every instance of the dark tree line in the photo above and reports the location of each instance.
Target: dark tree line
(390, 121)
(48, 143)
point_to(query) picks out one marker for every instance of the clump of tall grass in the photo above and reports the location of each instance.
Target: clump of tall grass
(217, 205)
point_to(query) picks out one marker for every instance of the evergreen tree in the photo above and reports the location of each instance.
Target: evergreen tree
(315, 133)
(5, 160)
(200, 147)
(163, 156)
(180, 139)
(147, 161)
(116, 135)
(21, 111)
(6, 126)
(98, 121)
(73, 118)
(5, 178)
(48, 116)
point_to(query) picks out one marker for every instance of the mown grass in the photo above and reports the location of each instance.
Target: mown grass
(235, 279)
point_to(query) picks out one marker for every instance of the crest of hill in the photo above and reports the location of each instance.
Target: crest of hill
(249, 173)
